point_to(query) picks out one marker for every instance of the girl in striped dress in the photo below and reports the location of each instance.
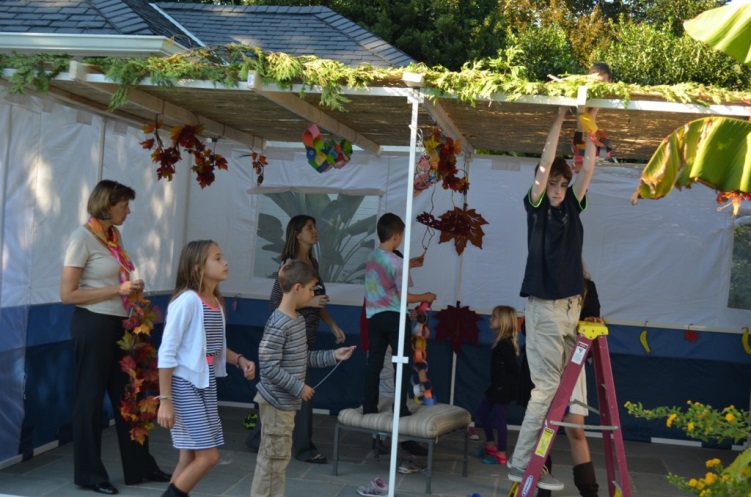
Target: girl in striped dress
(192, 354)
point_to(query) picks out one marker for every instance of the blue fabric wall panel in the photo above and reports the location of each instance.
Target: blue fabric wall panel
(11, 401)
(714, 369)
(50, 391)
(49, 324)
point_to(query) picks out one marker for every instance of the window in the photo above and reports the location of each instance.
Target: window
(346, 232)
(740, 272)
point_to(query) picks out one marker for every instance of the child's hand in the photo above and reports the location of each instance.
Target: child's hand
(319, 301)
(593, 319)
(344, 353)
(166, 414)
(307, 393)
(428, 297)
(338, 334)
(250, 370)
(417, 261)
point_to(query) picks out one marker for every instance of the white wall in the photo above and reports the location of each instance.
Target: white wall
(666, 261)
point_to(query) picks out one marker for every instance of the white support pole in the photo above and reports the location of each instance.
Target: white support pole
(399, 358)
(467, 163)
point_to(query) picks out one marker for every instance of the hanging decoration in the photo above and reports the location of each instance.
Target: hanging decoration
(458, 324)
(460, 224)
(137, 407)
(746, 340)
(183, 137)
(438, 162)
(422, 387)
(643, 339)
(690, 335)
(323, 155)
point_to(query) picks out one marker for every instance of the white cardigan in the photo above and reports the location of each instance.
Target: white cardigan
(184, 341)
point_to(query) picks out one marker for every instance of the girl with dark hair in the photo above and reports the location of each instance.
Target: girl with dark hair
(301, 237)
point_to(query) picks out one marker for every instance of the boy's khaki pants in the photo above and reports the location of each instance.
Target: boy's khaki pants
(269, 479)
(551, 336)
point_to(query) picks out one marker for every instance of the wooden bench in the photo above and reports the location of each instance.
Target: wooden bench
(425, 425)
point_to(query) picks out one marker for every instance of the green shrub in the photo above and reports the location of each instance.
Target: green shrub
(544, 50)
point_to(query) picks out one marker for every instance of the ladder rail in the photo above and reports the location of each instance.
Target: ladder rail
(615, 456)
(615, 452)
(557, 410)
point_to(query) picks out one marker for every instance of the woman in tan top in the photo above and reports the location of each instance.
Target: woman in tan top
(96, 279)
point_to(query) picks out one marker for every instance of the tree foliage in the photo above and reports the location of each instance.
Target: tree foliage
(643, 40)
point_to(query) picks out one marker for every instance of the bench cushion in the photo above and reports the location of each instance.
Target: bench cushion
(425, 421)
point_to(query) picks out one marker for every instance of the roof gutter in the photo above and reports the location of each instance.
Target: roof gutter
(89, 45)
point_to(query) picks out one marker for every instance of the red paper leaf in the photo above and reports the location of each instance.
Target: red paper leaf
(457, 324)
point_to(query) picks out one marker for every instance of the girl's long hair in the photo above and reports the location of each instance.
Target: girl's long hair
(509, 326)
(294, 227)
(190, 269)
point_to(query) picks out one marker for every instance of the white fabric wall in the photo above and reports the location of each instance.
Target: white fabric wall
(666, 261)
(52, 156)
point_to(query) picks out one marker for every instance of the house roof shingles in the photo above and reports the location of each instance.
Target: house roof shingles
(315, 31)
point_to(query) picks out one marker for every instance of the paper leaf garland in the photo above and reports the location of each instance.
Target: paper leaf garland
(461, 225)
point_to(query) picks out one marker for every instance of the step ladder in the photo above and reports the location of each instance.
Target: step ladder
(592, 339)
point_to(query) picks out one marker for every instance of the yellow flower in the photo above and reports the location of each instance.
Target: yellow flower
(670, 420)
(713, 462)
(711, 478)
(692, 482)
(729, 417)
(690, 426)
(705, 493)
(700, 485)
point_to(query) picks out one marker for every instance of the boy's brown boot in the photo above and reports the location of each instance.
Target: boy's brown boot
(585, 479)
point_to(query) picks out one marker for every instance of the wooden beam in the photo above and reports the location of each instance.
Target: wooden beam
(169, 111)
(311, 113)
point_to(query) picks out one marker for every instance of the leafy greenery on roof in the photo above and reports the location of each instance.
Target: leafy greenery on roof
(229, 65)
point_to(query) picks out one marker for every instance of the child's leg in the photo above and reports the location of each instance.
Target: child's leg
(275, 451)
(500, 412)
(186, 457)
(551, 334)
(200, 463)
(378, 327)
(393, 340)
(483, 417)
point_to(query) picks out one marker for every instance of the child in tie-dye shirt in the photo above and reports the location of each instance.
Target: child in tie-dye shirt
(383, 277)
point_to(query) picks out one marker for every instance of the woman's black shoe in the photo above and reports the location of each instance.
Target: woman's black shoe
(103, 488)
(158, 476)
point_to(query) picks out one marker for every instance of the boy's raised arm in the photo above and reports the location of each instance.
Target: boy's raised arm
(548, 155)
(588, 165)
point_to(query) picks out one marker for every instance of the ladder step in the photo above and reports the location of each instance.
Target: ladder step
(585, 427)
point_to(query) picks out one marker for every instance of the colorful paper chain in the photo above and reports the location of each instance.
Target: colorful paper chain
(421, 385)
(323, 155)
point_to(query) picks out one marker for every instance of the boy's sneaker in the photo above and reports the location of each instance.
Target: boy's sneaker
(251, 420)
(409, 466)
(545, 482)
(472, 432)
(375, 488)
(515, 474)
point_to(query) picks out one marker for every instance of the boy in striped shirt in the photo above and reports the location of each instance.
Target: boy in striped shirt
(283, 358)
